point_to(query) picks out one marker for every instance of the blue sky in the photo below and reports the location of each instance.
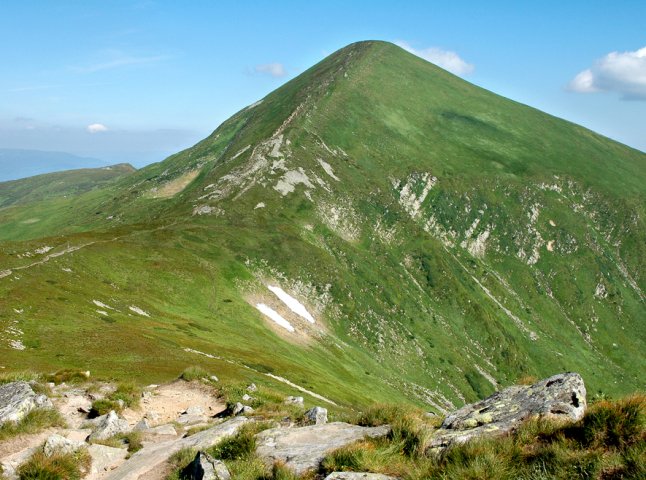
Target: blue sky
(137, 80)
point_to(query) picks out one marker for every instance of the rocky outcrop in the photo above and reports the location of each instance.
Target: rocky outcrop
(302, 449)
(105, 458)
(561, 396)
(57, 444)
(109, 426)
(205, 467)
(152, 457)
(17, 399)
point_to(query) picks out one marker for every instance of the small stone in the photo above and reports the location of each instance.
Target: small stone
(237, 409)
(109, 426)
(205, 467)
(58, 444)
(141, 425)
(252, 388)
(295, 401)
(316, 415)
(246, 410)
(246, 397)
(213, 378)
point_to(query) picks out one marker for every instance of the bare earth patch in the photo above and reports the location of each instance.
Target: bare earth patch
(171, 400)
(175, 186)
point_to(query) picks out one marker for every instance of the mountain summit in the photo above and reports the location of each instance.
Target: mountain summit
(376, 228)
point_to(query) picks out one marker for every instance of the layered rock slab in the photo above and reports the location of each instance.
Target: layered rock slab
(17, 399)
(151, 458)
(560, 397)
(302, 449)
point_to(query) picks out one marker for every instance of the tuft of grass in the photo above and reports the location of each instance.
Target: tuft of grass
(22, 376)
(72, 466)
(126, 395)
(194, 372)
(68, 376)
(131, 439)
(239, 446)
(609, 442)
(179, 461)
(35, 421)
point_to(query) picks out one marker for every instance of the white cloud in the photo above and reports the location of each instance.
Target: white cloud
(446, 59)
(621, 72)
(96, 128)
(276, 70)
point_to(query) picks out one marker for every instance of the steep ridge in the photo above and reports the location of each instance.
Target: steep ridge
(376, 227)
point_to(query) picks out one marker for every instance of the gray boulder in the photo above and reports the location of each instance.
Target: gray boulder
(205, 467)
(17, 399)
(358, 476)
(109, 426)
(240, 409)
(142, 425)
(105, 458)
(57, 444)
(560, 397)
(302, 449)
(151, 459)
(316, 415)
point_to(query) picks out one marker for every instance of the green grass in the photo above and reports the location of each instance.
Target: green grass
(194, 373)
(609, 442)
(126, 395)
(133, 440)
(73, 466)
(407, 318)
(34, 422)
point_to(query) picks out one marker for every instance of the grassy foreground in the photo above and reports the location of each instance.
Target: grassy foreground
(608, 443)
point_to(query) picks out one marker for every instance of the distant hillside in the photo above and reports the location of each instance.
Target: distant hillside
(15, 164)
(59, 184)
(375, 230)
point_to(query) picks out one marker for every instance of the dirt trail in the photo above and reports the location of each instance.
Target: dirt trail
(171, 400)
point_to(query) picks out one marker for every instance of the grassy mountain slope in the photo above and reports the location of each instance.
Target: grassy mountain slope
(447, 240)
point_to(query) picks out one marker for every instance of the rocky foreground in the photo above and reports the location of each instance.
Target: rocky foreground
(184, 415)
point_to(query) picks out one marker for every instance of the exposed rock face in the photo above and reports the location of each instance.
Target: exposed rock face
(357, 476)
(316, 415)
(302, 449)
(104, 458)
(57, 444)
(17, 399)
(561, 396)
(205, 467)
(151, 458)
(109, 426)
